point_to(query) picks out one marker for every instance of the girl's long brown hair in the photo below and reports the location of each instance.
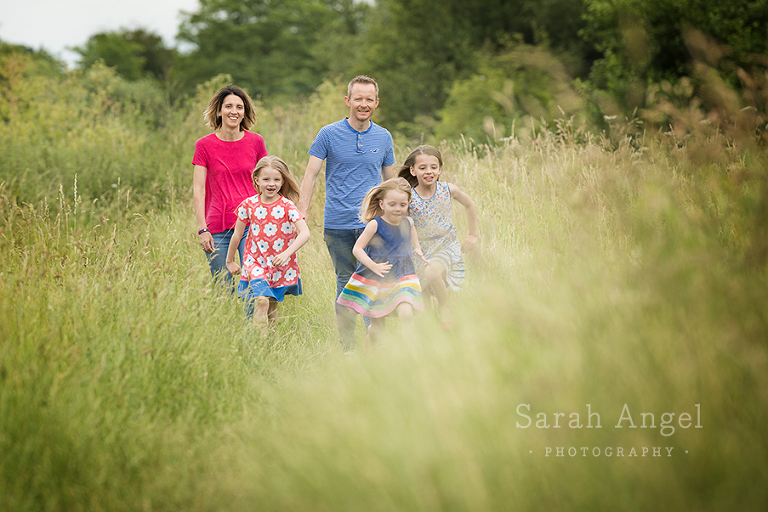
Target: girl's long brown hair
(289, 189)
(405, 169)
(371, 206)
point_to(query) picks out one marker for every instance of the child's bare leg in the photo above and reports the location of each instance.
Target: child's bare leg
(261, 313)
(375, 331)
(426, 296)
(272, 312)
(345, 321)
(405, 314)
(435, 277)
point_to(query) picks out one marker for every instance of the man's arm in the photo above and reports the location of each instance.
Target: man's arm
(308, 183)
(387, 172)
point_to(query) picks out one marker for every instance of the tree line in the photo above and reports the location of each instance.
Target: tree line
(479, 68)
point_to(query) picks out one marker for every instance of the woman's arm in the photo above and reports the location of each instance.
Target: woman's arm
(233, 267)
(198, 192)
(469, 243)
(302, 237)
(359, 251)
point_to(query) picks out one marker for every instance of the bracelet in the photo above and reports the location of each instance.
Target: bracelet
(204, 230)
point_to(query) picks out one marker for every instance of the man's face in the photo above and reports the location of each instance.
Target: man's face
(362, 102)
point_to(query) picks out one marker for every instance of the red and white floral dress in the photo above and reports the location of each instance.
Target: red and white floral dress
(270, 232)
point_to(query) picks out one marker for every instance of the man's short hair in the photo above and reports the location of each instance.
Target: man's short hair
(362, 79)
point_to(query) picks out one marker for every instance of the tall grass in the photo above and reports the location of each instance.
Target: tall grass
(610, 272)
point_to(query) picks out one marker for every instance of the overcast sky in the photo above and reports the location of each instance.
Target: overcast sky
(58, 24)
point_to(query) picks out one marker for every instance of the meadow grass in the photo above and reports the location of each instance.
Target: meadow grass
(611, 270)
(604, 276)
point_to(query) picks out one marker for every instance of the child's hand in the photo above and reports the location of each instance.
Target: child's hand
(280, 260)
(420, 254)
(381, 268)
(469, 243)
(233, 268)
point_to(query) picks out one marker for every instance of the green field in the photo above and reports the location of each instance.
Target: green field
(616, 269)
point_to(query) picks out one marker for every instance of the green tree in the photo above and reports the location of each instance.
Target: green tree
(41, 63)
(413, 51)
(417, 48)
(643, 41)
(277, 50)
(22, 69)
(512, 90)
(135, 54)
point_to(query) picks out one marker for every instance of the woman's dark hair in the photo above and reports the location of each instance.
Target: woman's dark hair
(212, 114)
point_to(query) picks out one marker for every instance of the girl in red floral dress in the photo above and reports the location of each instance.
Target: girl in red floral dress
(276, 230)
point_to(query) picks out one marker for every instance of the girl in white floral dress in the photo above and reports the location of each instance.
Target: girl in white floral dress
(430, 210)
(276, 230)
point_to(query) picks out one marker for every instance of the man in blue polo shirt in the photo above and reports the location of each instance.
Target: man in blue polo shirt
(359, 154)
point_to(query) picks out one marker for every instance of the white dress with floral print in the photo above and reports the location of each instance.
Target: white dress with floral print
(437, 235)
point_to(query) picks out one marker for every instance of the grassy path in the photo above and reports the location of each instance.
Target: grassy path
(608, 282)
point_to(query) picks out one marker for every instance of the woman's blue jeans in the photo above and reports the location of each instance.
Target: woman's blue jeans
(217, 259)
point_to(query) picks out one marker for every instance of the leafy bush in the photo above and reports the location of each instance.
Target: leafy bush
(93, 125)
(507, 95)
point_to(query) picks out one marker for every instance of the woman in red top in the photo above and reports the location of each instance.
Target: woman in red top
(223, 163)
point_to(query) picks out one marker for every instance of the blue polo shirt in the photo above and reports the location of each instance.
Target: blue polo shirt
(352, 168)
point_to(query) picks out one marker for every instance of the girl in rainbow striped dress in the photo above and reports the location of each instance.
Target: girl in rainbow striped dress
(385, 280)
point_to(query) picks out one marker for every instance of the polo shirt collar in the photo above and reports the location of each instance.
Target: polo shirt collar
(346, 122)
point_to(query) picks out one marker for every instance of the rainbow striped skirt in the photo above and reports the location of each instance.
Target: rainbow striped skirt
(373, 296)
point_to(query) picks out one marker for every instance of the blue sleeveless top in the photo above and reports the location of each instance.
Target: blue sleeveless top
(393, 244)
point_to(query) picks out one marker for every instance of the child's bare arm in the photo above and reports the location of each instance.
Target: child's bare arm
(469, 242)
(380, 269)
(415, 241)
(233, 267)
(302, 236)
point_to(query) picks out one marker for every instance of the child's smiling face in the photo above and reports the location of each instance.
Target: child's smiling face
(426, 169)
(269, 182)
(394, 205)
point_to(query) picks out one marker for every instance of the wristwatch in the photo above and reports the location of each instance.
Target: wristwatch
(204, 230)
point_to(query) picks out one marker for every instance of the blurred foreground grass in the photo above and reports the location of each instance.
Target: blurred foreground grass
(606, 276)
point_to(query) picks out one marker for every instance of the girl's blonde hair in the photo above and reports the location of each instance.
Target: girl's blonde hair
(289, 188)
(405, 169)
(212, 114)
(371, 207)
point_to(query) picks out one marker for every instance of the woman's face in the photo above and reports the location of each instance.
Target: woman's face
(232, 112)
